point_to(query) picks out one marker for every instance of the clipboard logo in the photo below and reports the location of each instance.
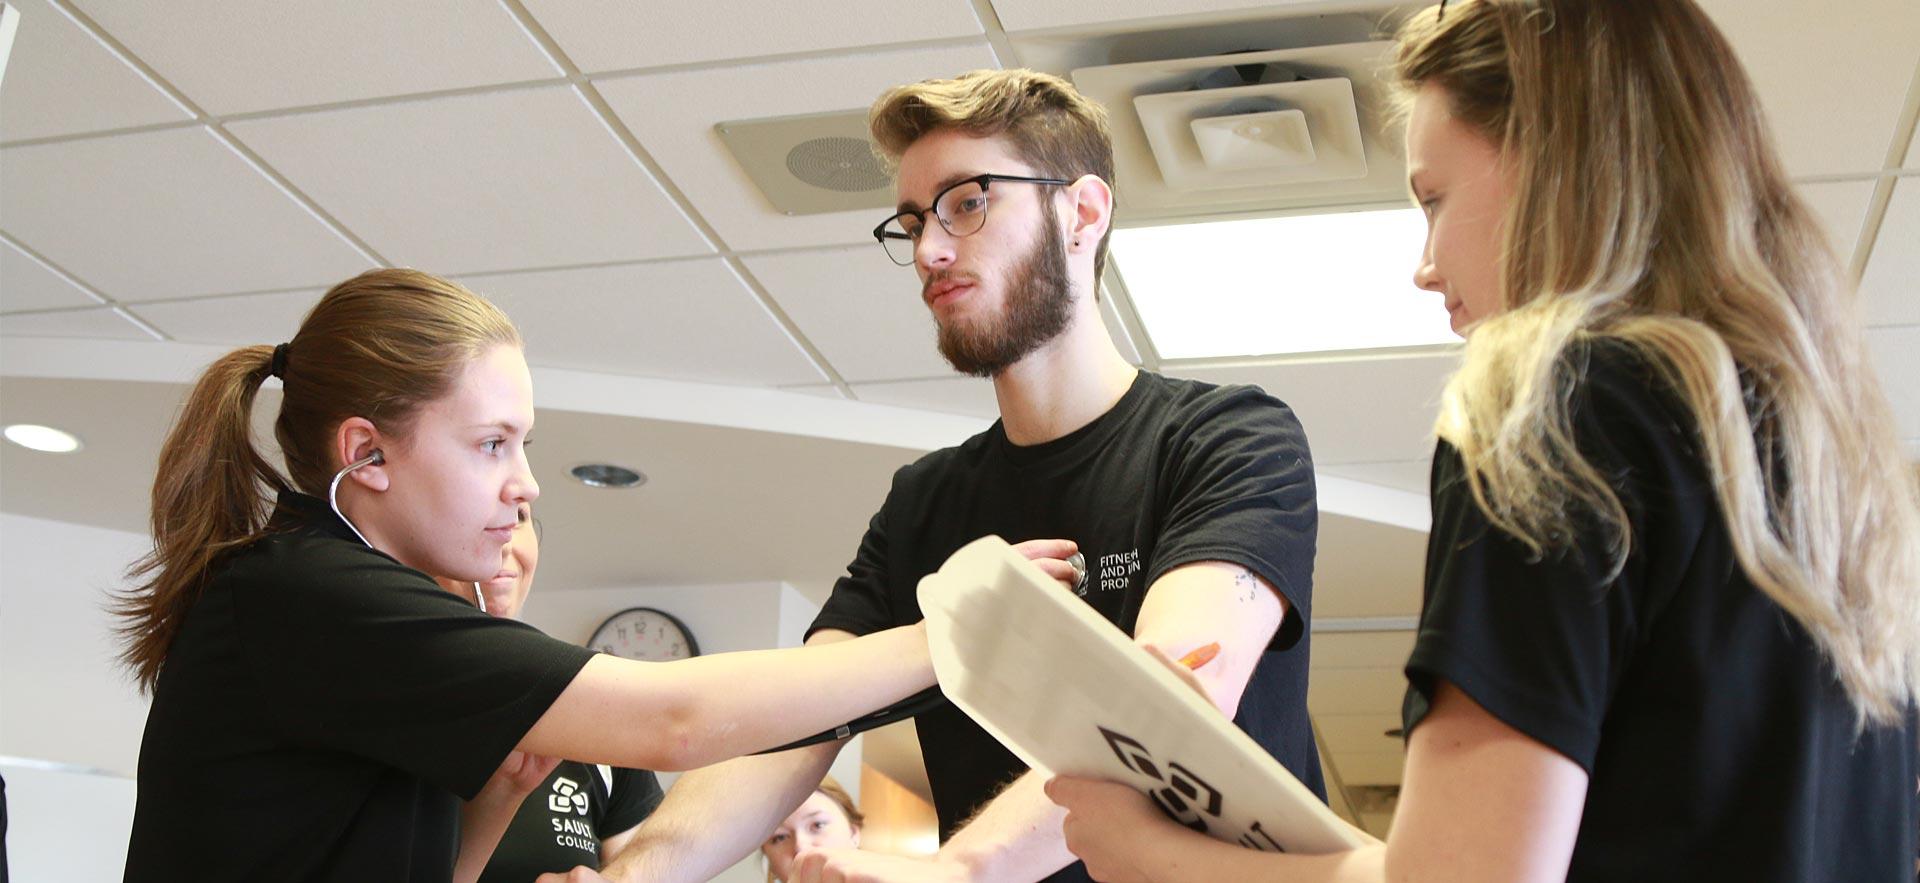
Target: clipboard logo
(1186, 798)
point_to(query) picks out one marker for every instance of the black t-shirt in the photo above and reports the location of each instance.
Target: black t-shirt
(1176, 472)
(1718, 744)
(323, 710)
(561, 824)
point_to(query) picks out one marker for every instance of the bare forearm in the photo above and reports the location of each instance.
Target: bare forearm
(1015, 839)
(681, 715)
(482, 821)
(1183, 856)
(713, 817)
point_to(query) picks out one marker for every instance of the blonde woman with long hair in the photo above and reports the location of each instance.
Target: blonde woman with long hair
(1672, 616)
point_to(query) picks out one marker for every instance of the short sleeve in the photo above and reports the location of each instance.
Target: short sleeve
(359, 653)
(860, 603)
(1240, 490)
(634, 794)
(1541, 642)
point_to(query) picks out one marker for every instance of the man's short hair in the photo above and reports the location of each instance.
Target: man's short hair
(1052, 127)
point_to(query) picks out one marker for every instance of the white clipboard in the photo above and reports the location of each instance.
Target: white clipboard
(1070, 694)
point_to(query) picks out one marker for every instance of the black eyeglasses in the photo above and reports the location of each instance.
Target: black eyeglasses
(961, 209)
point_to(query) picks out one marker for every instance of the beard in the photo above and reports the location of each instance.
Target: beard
(1039, 306)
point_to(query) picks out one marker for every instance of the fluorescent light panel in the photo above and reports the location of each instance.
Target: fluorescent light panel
(1301, 284)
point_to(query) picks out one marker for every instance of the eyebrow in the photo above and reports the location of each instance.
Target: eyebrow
(506, 426)
(907, 205)
(1413, 180)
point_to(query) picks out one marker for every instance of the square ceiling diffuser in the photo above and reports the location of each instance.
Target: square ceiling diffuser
(1255, 135)
(810, 163)
(1253, 131)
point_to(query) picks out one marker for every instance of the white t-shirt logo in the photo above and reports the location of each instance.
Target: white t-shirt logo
(567, 795)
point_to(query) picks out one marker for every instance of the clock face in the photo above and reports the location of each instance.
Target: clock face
(646, 634)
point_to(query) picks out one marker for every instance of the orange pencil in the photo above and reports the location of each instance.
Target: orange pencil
(1201, 656)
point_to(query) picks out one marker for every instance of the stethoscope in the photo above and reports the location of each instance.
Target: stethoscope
(333, 499)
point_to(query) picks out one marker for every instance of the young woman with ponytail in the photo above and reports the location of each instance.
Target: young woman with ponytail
(320, 706)
(1671, 628)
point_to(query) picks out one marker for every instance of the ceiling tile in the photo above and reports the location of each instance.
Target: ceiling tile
(673, 114)
(1896, 357)
(601, 35)
(475, 183)
(1841, 207)
(1354, 410)
(1401, 475)
(62, 81)
(971, 396)
(861, 311)
(164, 214)
(237, 57)
(690, 320)
(1890, 287)
(101, 322)
(1833, 85)
(1021, 15)
(823, 390)
(1913, 150)
(27, 284)
(1376, 691)
(242, 320)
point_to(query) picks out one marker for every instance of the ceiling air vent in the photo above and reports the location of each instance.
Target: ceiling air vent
(812, 163)
(1250, 131)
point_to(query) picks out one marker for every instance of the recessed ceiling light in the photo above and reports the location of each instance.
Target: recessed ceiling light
(607, 475)
(42, 438)
(1269, 286)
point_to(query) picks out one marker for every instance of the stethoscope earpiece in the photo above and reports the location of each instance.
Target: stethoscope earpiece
(333, 492)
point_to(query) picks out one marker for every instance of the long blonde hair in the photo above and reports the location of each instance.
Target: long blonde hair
(1650, 208)
(379, 346)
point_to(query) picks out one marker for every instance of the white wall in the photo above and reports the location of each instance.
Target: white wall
(62, 696)
(64, 701)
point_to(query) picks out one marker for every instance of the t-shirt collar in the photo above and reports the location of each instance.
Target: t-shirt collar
(1093, 433)
(304, 511)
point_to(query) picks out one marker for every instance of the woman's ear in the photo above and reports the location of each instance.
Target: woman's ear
(356, 440)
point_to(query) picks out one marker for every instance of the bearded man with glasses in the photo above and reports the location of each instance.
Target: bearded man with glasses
(1191, 506)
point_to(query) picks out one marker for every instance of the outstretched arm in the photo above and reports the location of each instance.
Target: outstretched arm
(694, 712)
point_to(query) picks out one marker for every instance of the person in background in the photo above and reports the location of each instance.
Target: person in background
(1671, 628)
(827, 820)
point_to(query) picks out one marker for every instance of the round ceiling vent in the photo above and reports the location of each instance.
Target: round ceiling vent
(844, 165)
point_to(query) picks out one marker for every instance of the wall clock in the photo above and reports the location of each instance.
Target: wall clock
(646, 634)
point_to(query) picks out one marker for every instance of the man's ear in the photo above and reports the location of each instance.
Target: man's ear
(1092, 213)
(357, 439)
